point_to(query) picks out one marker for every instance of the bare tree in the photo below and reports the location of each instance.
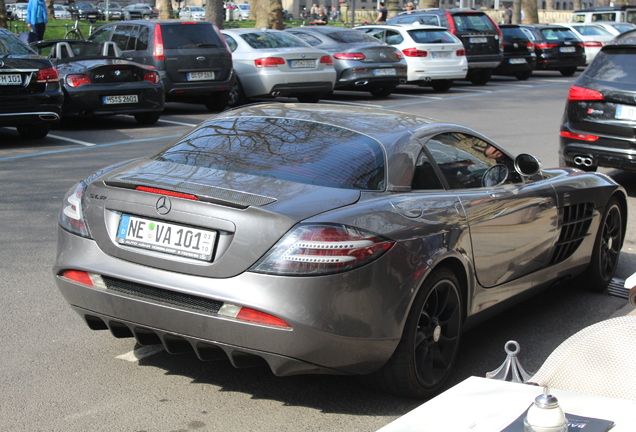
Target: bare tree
(530, 11)
(214, 12)
(165, 9)
(3, 14)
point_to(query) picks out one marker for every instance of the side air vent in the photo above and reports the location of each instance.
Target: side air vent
(164, 296)
(574, 224)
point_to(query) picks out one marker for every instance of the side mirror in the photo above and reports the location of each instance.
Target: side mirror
(527, 165)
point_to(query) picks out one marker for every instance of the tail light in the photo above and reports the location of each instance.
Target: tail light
(326, 60)
(545, 45)
(461, 52)
(592, 44)
(583, 94)
(72, 214)
(578, 136)
(349, 56)
(414, 52)
(320, 249)
(269, 62)
(152, 76)
(451, 23)
(76, 80)
(158, 51)
(530, 46)
(48, 75)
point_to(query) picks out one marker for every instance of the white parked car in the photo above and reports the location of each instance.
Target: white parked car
(434, 56)
(594, 37)
(272, 63)
(19, 11)
(615, 28)
(238, 12)
(194, 13)
(61, 12)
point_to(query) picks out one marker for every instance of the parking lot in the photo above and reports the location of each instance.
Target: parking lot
(60, 376)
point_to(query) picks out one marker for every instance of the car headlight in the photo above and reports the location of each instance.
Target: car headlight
(321, 249)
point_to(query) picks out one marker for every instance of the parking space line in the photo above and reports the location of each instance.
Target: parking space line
(84, 143)
(140, 353)
(178, 123)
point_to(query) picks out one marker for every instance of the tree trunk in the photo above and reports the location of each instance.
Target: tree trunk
(531, 14)
(50, 11)
(3, 14)
(165, 9)
(214, 12)
(260, 10)
(275, 14)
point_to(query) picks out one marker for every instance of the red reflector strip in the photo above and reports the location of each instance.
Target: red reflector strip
(166, 192)
(248, 314)
(78, 276)
(578, 136)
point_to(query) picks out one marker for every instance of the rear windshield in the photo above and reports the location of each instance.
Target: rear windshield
(264, 40)
(614, 64)
(284, 149)
(352, 36)
(512, 33)
(473, 22)
(432, 36)
(180, 36)
(11, 45)
(592, 31)
(559, 34)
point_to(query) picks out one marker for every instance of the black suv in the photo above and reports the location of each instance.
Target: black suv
(85, 11)
(30, 95)
(557, 48)
(600, 113)
(519, 56)
(481, 37)
(192, 58)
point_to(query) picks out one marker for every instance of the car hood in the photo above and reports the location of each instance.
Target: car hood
(248, 213)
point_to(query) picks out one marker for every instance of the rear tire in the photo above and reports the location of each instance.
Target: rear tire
(382, 92)
(147, 118)
(426, 353)
(237, 95)
(35, 131)
(218, 101)
(522, 76)
(480, 76)
(568, 72)
(607, 248)
(441, 85)
(309, 98)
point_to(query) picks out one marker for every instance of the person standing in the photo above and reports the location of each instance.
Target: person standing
(321, 17)
(36, 18)
(382, 12)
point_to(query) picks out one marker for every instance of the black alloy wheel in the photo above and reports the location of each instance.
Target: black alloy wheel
(426, 353)
(441, 85)
(607, 248)
(382, 92)
(480, 76)
(237, 95)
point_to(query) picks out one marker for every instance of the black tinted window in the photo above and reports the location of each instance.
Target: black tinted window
(614, 64)
(182, 36)
(559, 34)
(512, 33)
(473, 21)
(265, 40)
(352, 36)
(285, 149)
(9, 44)
(121, 35)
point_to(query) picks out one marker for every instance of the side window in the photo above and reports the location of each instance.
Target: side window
(121, 35)
(311, 40)
(393, 37)
(464, 159)
(102, 35)
(231, 42)
(142, 37)
(376, 33)
(425, 176)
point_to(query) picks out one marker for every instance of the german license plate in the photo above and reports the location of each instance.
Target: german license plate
(567, 49)
(199, 76)
(440, 54)
(384, 72)
(297, 64)
(478, 40)
(166, 237)
(625, 112)
(518, 61)
(124, 99)
(10, 79)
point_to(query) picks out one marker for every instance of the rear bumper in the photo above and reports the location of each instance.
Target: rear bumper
(484, 61)
(558, 63)
(31, 109)
(367, 78)
(90, 100)
(199, 90)
(509, 67)
(607, 151)
(29, 118)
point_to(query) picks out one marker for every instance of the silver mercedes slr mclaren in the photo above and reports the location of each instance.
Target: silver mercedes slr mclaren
(328, 239)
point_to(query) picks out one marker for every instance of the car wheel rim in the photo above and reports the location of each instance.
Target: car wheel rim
(610, 242)
(234, 94)
(437, 334)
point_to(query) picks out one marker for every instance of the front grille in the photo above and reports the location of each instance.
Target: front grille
(574, 223)
(187, 301)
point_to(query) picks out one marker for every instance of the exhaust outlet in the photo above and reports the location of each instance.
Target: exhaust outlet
(49, 117)
(275, 93)
(583, 161)
(361, 83)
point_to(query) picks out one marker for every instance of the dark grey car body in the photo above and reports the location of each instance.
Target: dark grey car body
(401, 179)
(380, 70)
(178, 51)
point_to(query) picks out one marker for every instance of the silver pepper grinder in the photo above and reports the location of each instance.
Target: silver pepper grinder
(545, 415)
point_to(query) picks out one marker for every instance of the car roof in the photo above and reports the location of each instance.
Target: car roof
(404, 26)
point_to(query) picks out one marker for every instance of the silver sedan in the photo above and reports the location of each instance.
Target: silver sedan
(272, 63)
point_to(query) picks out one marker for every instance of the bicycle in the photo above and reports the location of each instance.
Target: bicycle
(75, 32)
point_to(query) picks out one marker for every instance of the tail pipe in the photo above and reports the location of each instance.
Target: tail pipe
(587, 161)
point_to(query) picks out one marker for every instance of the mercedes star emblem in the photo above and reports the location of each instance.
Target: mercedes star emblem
(163, 205)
